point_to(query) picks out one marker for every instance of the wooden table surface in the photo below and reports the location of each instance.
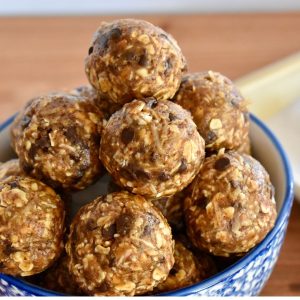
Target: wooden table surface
(38, 55)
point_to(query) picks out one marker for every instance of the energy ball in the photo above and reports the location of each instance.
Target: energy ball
(10, 168)
(152, 148)
(90, 94)
(120, 244)
(57, 139)
(58, 278)
(133, 59)
(186, 270)
(218, 109)
(31, 226)
(231, 207)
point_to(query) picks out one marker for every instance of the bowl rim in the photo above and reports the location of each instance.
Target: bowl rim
(284, 211)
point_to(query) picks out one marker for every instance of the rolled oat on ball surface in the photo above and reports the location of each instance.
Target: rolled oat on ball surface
(231, 205)
(120, 244)
(57, 139)
(31, 226)
(152, 148)
(218, 109)
(133, 59)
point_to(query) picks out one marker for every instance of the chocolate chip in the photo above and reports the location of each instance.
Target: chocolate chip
(91, 225)
(141, 174)
(27, 168)
(235, 102)
(173, 271)
(161, 259)
(108, 232)
(103, 287)
(183, 166)
(163, 176)
(124, 223)
(152, 102)
(211, 136)
(112, 261)
(154, 156)
(222, 163)
(8, 249)
(2, 265)
(129, 55)
(102, 43)
(113, 69)
(25, 122)
(115, 33)
(14, 184)
(168, 65)
(91, 49)
(103, 39)
(202, 201)
(43, 143)
(127, 135)
(71, 134)
(32, 152)
(75, 157)
(143, 60)
(147, 230)
(172, 117)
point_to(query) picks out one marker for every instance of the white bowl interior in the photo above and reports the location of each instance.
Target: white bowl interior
(263, 148)
(265, 151)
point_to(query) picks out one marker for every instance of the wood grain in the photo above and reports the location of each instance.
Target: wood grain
(285, 279)
(38, 55)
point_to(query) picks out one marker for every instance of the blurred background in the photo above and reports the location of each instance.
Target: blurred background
(91, 7)
(43, 43)
(256, 43)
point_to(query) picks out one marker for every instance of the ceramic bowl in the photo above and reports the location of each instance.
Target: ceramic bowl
(247, 276)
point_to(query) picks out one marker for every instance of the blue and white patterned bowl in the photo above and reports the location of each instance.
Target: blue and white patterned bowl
(244, 278)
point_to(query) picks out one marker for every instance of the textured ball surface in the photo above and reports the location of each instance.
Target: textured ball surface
(120, 244)
(57, 139)
(231, 205)
(152, 148)
(31, 226)
(133, 59)
(218, 109)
